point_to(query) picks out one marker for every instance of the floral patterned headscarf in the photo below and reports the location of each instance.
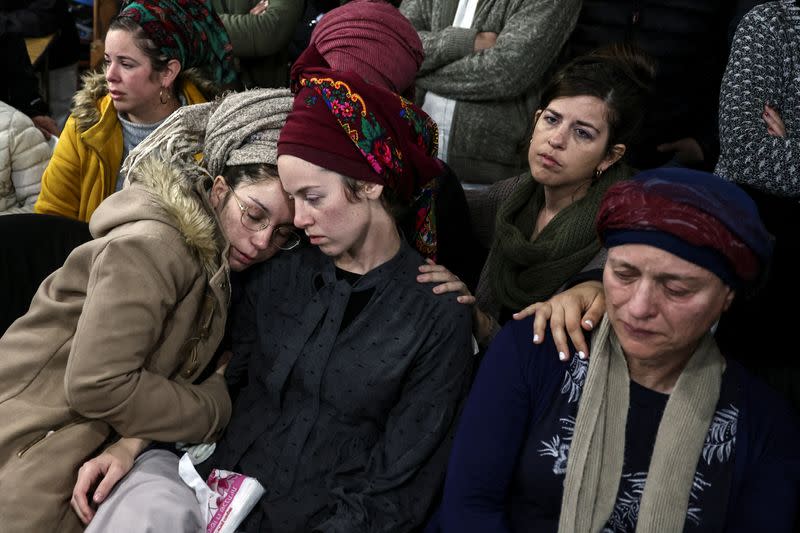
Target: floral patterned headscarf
(187, 30)
(363, 131)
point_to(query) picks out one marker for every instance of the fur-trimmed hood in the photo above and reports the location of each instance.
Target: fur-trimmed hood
(86, 105)
(165, 192)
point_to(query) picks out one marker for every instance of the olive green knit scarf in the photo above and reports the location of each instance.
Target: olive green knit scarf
(525, 271)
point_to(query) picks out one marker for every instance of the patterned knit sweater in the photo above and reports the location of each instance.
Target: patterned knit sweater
(764, 67)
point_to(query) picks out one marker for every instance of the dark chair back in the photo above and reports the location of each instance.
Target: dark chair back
(31, 248)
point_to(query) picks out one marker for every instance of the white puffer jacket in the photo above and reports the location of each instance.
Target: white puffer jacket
(24, 155)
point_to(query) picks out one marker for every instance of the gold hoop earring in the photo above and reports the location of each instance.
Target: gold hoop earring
(162, 98)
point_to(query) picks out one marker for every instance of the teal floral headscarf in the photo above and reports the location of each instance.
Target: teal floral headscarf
(187, 30)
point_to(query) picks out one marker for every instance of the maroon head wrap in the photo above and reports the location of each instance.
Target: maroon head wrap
(373, 39)
(187, 30)
(363, 131)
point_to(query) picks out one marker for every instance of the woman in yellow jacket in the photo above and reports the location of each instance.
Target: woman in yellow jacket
(150, 51)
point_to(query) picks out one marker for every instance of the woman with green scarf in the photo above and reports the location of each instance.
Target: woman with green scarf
(544, 231)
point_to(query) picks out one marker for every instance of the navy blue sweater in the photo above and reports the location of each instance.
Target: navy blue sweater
(504, 477)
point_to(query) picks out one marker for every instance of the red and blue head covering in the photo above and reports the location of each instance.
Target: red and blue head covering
(694, 215)
(365, 131)
(187, 30)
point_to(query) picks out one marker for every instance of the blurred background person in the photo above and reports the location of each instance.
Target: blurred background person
(689, 42)
(484, 68)
(759, 125)
(260, 32)
(19, 88)
(37, 18)
(24, 154)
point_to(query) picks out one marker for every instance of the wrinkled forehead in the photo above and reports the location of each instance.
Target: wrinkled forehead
(656, 263)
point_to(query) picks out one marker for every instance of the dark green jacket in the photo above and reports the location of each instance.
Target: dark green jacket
(260, 41)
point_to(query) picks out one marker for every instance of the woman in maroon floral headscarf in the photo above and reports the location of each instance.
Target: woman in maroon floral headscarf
(355, 371)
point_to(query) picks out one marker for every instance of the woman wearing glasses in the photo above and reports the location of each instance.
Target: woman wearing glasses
(349, 373)
(115, 340)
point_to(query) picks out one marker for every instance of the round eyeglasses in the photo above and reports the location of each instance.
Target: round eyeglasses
(255, 219)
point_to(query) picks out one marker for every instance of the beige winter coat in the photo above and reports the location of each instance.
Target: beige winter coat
(111, 345)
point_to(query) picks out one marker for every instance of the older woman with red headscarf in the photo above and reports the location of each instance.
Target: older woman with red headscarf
(349, 373)
(658, 431)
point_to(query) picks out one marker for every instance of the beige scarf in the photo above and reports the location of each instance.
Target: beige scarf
(594, 467)
(239, 129)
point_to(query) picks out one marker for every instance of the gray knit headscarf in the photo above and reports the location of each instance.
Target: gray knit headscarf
(240, 129)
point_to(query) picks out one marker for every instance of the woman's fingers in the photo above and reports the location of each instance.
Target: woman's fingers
(561, 325)
(558, 330)
(436, 277)
(466, 299)
(525, 313)
(108, 468)
(116, 471)
(464, 296)
(594, 314)
(224, 359)
(575, 332)
(430, 266)
(87, 476)
(774, 121)
(450, 286)
(447, 281)
(542, 312)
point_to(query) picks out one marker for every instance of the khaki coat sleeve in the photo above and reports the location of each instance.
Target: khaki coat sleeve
(131, 299)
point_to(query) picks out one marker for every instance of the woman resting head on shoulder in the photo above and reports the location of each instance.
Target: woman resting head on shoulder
(238, 138)
(353, 156)
(657, 431)
(158, 56)
(349, 373)
(544, 231)
(115, 339)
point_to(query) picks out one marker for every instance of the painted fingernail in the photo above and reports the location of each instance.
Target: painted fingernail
(562, 356)
(582, 355)
(588, 323)
(536, 338)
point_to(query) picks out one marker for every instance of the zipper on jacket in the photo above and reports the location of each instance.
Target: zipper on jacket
(39, 439)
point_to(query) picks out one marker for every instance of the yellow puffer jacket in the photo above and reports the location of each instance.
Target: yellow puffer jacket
(84, 168)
